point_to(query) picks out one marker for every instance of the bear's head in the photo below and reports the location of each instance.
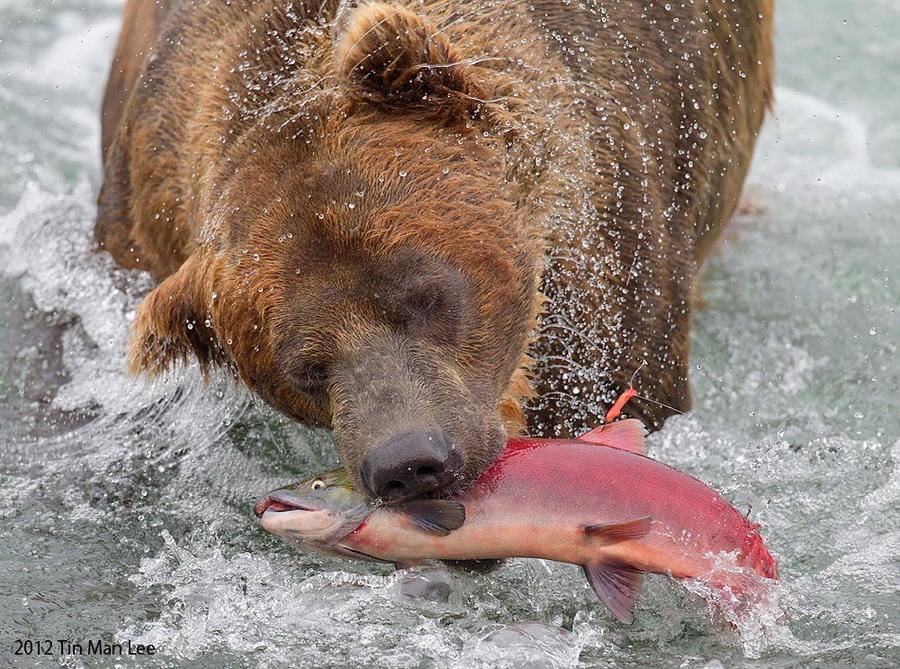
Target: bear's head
(367, 263)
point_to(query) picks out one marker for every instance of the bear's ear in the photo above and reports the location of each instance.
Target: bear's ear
(390, 56)
(172, 324)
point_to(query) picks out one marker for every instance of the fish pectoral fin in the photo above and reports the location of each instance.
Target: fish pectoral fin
(627, 434)
(612, 533)
(617, 585)
(435, 516)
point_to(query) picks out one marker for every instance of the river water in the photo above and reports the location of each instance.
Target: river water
(125, 509)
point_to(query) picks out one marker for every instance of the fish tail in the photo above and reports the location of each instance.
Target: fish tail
(738, 593)
(755, 554)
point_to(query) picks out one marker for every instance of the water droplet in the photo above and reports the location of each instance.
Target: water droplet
(403, 174)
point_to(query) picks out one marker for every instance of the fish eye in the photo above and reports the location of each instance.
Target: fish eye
(318, 484)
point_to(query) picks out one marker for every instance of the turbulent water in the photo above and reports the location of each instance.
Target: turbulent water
(125, 509)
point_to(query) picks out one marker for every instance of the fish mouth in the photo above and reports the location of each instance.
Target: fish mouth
(278, 502)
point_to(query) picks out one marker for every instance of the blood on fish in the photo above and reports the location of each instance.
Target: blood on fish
(616, 409)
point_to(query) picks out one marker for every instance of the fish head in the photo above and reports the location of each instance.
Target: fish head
(315, 514)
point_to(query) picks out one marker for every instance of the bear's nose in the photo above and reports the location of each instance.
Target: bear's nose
(411, 464)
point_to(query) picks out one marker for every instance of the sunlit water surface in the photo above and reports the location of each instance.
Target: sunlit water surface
(125, 509)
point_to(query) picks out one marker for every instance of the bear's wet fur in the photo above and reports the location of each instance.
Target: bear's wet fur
(375, 215)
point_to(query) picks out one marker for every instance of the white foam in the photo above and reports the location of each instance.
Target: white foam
(889, 493)
(814, 148)
(49, 238)
(77, 60)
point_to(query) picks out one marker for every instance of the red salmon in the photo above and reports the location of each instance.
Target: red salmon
(595, 501)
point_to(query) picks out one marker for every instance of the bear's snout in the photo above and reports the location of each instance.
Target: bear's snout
(411, 464)
(408, 420)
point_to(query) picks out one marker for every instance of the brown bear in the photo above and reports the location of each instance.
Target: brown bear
(414, 221)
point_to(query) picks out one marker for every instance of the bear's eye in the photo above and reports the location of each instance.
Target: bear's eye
(424, 301)
(312, 377)
(432, 308)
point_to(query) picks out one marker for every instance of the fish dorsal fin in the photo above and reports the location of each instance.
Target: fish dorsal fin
(627, 434)
(617, 585)
(611, 533)
(435, 516)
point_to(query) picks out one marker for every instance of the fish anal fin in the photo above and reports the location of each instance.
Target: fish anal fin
(627, 434)
(617, 585)
(611, 533)
(435, 516)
